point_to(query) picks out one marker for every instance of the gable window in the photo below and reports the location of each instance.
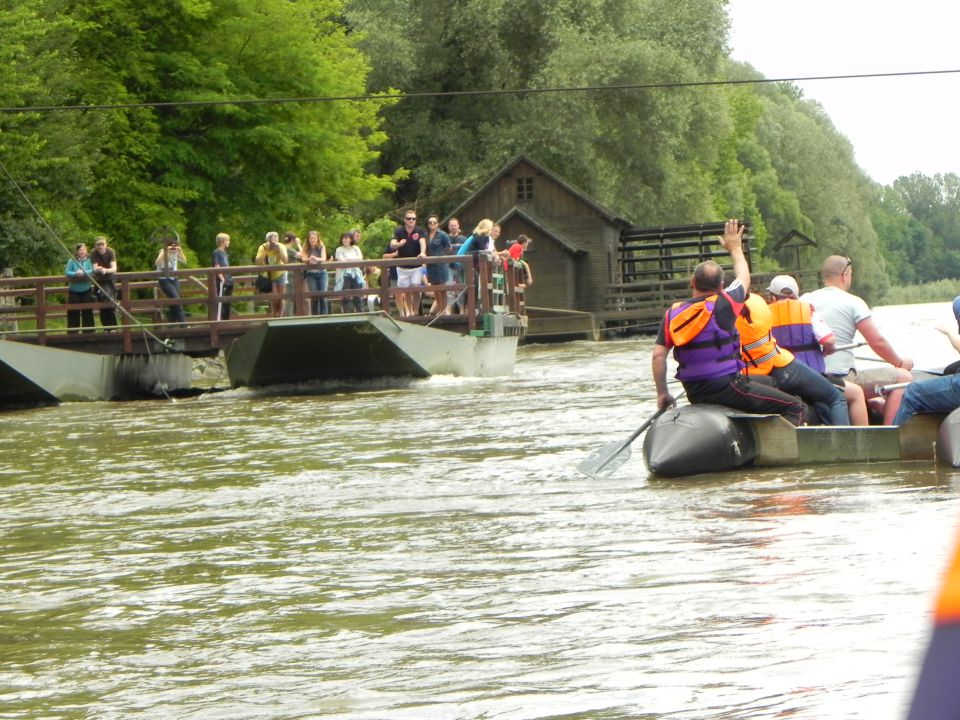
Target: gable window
(524, 189)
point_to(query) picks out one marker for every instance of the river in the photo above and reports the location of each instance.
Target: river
(428, 550)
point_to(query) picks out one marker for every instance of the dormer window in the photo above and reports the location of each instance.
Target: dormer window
(524, 189)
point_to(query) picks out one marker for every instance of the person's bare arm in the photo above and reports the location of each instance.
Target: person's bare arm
(951, 334)
(732, 242)
(658, 364)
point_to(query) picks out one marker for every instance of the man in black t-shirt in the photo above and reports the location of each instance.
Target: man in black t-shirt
(409, 242)
(104, 261)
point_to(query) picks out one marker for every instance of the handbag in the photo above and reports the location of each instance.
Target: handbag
(263, 284)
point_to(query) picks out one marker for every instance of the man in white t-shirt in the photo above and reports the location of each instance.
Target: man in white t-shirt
(846, 314)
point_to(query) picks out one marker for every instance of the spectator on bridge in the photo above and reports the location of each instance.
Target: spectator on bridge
(79, 289)
(272, 252)
(438, 244)
(168, 261)
(492, 244)
(104, 261)
(223, 279)
(349, 278)
(409, 243)
(294, 249)
(457, 238)
(314, 253)
(516, 254)
(478, 240)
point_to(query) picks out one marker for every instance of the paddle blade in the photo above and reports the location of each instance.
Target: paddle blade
(605, 461)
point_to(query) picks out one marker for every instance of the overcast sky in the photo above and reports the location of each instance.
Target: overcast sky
(897, 126)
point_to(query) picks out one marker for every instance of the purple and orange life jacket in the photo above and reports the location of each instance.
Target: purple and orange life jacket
(793, 330)
(701, 347)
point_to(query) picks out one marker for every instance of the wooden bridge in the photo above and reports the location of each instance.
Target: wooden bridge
(33, 309)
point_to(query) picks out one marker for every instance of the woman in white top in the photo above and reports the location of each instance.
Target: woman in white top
(349, 278)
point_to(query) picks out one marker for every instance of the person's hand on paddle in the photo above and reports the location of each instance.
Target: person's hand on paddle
(665, 400)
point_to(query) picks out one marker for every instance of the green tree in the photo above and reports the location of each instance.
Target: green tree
(47, 158)
(919, 222)
(243, 168)
(646, 153)
(813, 185)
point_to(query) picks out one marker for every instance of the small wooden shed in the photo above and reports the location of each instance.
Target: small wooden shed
(574, 253)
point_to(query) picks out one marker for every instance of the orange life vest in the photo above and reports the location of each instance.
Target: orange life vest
(793, 329)
(687, 320)
(759, 349)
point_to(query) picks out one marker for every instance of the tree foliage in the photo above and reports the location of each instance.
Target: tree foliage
(918, 221)
(242, 168)
(666, 150)
(656, 155)
(645, 153)
(47, 159)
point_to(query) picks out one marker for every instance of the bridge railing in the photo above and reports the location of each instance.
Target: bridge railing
(37, 306)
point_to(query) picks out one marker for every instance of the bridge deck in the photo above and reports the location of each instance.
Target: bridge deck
(34, 309)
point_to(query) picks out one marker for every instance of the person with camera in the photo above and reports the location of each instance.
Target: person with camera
(79, 289)
(273, 252)
(167, 262)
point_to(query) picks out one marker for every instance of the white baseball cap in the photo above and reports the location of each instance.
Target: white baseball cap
(784, 286)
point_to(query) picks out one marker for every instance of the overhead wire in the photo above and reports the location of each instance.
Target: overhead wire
(394, 96)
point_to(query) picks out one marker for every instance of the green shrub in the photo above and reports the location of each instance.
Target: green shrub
(936, 291)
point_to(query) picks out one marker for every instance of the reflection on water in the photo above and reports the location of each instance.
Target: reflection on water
(429, 550)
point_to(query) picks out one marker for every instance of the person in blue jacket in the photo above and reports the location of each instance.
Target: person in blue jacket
(79, 289)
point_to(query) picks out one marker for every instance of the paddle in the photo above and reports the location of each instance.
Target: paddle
(885, 389)
(851, 346)
(605, 461)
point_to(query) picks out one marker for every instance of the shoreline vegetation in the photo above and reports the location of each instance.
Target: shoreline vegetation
(930, 292)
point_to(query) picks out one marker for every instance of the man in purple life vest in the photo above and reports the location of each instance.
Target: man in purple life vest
(703, 335)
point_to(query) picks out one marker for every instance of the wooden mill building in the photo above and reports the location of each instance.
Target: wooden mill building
(575, 239)
(584, 257)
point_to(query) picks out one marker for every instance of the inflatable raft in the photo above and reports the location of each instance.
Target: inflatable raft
(697, 439)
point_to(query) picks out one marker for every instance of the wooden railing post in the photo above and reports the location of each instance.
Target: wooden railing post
(385, 290)
(40, 298)
(211, 295)
(296, 277)
(125, 323)
(470, 278)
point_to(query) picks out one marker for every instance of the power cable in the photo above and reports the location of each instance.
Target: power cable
(393, 96)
